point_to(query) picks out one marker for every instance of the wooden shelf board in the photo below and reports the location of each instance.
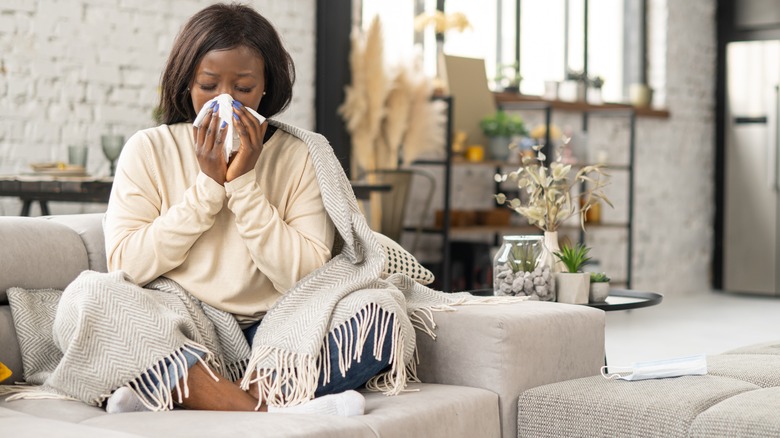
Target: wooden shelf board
(460, 161)
(516, 98)
(526, 229)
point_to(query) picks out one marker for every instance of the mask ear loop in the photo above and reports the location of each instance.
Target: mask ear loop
(614, 375)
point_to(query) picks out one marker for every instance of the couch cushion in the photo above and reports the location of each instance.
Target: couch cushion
(400, 261)
(595, 406)
(34, 312)
(772, 347)
(753, 413)
(60, 410)
(435, 411)
(758, 369)
(509, 348)
(16, 424)
(38, 254)
(90, 228)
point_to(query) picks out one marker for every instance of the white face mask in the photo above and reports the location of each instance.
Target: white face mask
(658, 369)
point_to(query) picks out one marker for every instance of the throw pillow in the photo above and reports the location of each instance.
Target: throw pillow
(399, 260)
(33, 312)
(4, 372)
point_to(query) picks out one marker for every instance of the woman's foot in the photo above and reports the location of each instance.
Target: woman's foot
(344, 404)
(124, 400)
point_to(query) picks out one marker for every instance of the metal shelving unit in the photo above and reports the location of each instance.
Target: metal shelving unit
(521, 102)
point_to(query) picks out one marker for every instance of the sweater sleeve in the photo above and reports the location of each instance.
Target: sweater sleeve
(284, 246)
(141, 240)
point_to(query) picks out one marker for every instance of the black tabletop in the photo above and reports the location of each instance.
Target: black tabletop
(618, 299)
(624, 299)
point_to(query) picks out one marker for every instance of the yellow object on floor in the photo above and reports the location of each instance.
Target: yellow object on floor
(4, 372)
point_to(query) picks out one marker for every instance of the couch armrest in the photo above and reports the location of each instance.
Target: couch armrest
(508, 348)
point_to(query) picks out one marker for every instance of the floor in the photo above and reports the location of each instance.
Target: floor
(707, 322)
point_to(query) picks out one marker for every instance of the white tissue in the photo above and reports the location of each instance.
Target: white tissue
(225, 102)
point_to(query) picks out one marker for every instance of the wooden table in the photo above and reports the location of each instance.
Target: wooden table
(45, 188)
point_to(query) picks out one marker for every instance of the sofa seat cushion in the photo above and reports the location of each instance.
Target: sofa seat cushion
(758, 369)
(17, 424)
(772, 347)
(594, 406)
(433, 411)
(753, 413)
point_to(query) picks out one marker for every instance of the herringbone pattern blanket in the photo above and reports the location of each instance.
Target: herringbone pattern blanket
(98, 313)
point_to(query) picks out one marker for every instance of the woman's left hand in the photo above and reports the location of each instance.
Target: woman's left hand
(251, 132)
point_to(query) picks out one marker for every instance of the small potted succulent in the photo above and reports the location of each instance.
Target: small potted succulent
(499, 128)
(573, 286)
(599, 287)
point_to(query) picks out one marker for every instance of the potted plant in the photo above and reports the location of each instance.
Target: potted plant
(573, 286)
(599, 287)
(508, 77)
(547, 194)
(499, 128)
(594, 90)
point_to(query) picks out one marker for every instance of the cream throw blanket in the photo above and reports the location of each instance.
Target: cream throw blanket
(99, 313)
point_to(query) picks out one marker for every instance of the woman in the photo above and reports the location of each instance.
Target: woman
(236, 235)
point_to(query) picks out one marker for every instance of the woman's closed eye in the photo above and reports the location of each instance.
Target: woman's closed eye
(212, 87)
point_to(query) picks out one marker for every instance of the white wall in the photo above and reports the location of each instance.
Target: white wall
(71, 70)
(675, 158)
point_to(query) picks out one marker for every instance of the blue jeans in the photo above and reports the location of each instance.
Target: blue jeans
(358, 374)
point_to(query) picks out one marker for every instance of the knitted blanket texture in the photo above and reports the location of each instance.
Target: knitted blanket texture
(99, 313)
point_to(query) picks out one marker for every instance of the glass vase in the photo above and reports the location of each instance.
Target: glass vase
(523, 267)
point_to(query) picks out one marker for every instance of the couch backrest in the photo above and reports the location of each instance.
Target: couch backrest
(49, 252)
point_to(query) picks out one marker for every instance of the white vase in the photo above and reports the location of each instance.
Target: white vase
(572, 287)
(551, 246)
(598, 292)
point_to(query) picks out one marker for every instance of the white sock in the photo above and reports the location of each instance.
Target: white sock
(124, 400)
(345, 404)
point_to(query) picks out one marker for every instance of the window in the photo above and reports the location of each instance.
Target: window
(552, 38)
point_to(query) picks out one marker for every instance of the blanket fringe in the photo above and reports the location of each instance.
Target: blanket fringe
(160, 397)
(296, 377)
(31, 392)
(291, 380)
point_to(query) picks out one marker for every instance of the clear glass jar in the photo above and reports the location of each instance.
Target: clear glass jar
(524, 267)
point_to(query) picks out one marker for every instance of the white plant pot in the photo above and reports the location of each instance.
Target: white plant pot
(598, 292)
(572, 288)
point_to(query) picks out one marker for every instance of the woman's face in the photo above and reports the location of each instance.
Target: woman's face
(238, 72)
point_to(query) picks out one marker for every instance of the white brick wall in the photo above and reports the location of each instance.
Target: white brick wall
(71, 70)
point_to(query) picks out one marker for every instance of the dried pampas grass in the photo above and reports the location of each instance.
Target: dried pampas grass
(363, 107)
(386, 116)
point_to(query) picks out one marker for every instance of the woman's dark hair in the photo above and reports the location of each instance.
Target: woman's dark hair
(224, 27)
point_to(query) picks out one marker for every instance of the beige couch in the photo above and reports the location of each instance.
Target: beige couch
(483, 358)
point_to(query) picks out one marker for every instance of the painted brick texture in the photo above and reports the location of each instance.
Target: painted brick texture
(71, 70)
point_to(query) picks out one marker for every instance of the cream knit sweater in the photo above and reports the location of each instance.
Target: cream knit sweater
(237, 247)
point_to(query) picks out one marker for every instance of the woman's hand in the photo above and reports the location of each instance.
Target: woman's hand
(209, 141)
(251, 132)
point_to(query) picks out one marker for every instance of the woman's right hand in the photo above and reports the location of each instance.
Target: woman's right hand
(209, 142)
